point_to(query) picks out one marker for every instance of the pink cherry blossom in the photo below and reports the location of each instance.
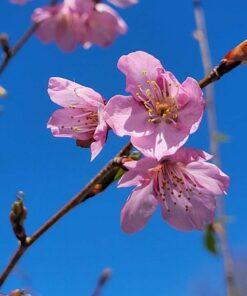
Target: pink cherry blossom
(63, 23)
(123, 3)
(77, 22)
(185, 185)
(19, 1)
(160, 113)
(82, 115)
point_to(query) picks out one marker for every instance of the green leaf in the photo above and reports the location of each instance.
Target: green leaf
(135, 155)
(119, 174)
(210, 240)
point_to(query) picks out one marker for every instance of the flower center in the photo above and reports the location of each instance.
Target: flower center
(83, 122)
(174, 185)
(160, 104)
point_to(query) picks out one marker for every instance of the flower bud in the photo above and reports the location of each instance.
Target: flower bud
(105, 276)
(17, 217)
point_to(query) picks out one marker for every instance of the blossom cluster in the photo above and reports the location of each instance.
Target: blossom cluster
(79, 22)
(158, 115)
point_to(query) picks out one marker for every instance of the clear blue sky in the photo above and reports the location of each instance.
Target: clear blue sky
(68, 259)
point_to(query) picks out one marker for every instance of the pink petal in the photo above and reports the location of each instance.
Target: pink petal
(123, 3)
(168, 83)
(138, 209)
(165, 140)
(187, 155)
(138, 172)
(61, 123)
(99, 135)
(138, 67)
(192, 105)
(67, 93)
(104, 25)
(47, 17)
(21, 2)
(209, 177)
(126, 116)
(64, 35)
(80, 6)
(200, 212)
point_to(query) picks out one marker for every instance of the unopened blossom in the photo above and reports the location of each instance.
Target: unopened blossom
(160, 113)
(82, 115)
(78, 22)
(184, 185)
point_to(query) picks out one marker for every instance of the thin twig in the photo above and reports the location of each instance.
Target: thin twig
(22, 41)
(201, 36)
(95, 186)
(14, 50)
(103, 279)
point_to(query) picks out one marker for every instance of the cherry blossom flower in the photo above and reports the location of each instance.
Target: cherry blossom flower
(160, 113)
(185, 185)
(77, 22)
(63, 23)
(82, 115)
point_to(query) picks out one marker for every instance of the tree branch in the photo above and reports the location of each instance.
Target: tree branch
(12, 51)
(215, 74)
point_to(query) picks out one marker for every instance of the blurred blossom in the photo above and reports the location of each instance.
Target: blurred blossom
(63, 23)
(160, 113)
(75, 22)
(82, 116)
(18, 1)
(103, 26)
(123, 3)
(185, 185)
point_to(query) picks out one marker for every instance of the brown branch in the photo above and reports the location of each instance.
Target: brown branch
(12, 51)
(99, 183)
(211, 76)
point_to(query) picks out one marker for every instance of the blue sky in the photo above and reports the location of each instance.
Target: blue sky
(68, 259)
